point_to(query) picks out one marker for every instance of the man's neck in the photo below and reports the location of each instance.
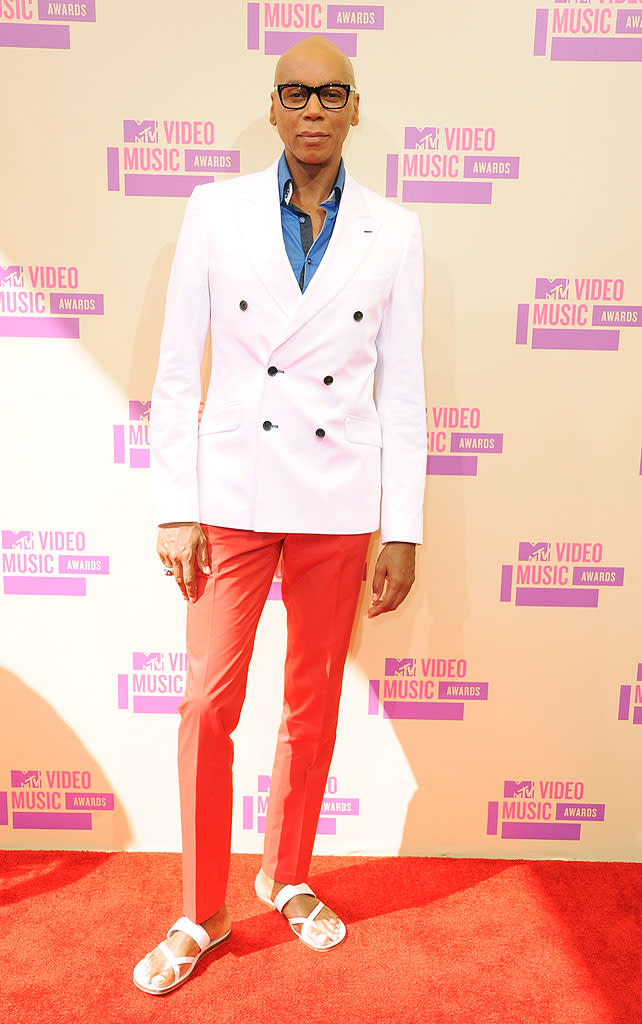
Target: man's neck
(312, 183)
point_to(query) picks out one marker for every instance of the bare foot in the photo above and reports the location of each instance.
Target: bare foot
(156, 971)
(325, 928)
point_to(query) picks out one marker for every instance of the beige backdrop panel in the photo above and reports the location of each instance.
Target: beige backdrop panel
(473, 723)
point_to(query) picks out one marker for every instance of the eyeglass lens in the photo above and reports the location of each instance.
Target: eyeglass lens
(333, 97)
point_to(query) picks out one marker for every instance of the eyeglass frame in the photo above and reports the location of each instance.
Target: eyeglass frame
(314, 90)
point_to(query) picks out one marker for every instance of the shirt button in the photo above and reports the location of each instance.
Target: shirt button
(272, 370)
(357, 316)
(267, 425)
(243, 305)
(328, 379)
(320, 432)
(309, 261)
(302, 219)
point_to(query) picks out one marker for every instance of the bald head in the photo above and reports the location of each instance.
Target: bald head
(314, 60)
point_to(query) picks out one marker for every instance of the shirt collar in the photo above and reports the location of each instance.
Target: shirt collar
(286, 184)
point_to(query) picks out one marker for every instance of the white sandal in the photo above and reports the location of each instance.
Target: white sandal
(202, 940)
(284, 896)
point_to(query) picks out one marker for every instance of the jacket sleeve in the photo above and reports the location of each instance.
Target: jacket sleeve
(400, 399)
(177, 391)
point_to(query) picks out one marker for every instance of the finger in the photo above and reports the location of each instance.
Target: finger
(202, 556)
(178, 576)
(189, 579)
(378, 581)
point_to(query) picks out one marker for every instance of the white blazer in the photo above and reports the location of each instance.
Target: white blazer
(315, 415)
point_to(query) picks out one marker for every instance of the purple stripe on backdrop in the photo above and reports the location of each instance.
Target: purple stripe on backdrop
(506, 587)
(451, 465)
(248, 811)
(277, 43)
(264, 782)
(637, 716)
(579, 570)
(4, 809)
(275, 591)
(113, 169)
(521, 331)
(448, 684)
(260, 824)
(42, 37)
(555, 597)
(621, 25)
(327, 827)
(119, 444)
(164, 185)
(601, 314)
(641, 462)
(56, 299)
(624, 707)
(458, 443)
(373, 697)
(51, 819)
(233, 167)
(493, 815)
(139, 458)
(73, 801)
(253, 26)
(576, 339)
(639, 675)
(335, 9)
(143, 705)
(392, 175)
(45, 586)
(123, 693)
(540, 830)
(610, 48)
(89, 13)
(485, 167)
(447, 192)
(541, 30)
(423, 711)
(39, 327)
(561, 812)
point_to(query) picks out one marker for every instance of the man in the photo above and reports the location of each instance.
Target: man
(312, 287)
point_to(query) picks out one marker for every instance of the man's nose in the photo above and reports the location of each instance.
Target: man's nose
(313, 107)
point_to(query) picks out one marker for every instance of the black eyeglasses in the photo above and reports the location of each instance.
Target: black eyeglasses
(332, 96)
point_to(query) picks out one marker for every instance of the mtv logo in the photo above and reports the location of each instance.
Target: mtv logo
(23, 539)
(519, 790)
(26, 780)
(400, 666)
(421, 138)
(139, 411)
(554, 288)
(140, 131)
(153, 662)
(540, 551)
(11, 277)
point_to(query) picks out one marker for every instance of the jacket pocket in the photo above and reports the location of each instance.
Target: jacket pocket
(361, 431)
(225, 417)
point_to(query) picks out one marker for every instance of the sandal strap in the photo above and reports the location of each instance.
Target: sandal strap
(288, 892)
(172, 961)
(200, 936)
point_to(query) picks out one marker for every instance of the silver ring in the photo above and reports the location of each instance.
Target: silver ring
(168, 572)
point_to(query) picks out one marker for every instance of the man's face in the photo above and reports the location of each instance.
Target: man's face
(313, 135)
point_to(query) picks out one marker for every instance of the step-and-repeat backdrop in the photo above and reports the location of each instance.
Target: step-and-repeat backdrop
(499, 712)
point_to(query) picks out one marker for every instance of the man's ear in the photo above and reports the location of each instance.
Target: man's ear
(355, 112)
(272, 114)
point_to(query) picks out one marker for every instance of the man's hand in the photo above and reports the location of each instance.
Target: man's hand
(182, 547)
(393, 577)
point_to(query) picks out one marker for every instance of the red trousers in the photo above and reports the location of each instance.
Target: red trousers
(320, 586)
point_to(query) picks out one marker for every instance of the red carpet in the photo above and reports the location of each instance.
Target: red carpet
(434, 941)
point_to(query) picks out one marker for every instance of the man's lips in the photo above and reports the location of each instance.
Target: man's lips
(313, 135)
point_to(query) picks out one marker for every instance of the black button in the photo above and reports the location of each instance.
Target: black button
(243, 305)
(272, 370)
(267, 425)
(328, 379)
(320, 432)
(358, 315)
